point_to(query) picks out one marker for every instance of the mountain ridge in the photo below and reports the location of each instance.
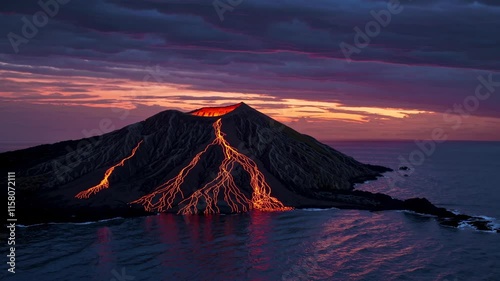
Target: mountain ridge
(236, 159)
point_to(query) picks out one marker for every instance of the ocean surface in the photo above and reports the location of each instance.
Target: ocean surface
(296, 245)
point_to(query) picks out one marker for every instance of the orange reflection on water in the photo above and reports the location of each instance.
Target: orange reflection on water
(105, 258)
(259, 231)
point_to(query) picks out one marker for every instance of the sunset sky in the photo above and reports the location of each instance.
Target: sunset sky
(282, 57)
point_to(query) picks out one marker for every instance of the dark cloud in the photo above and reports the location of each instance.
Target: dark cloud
(445, 33)
(54, 96)
(427, 58)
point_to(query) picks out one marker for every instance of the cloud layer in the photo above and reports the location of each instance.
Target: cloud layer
(281, 56)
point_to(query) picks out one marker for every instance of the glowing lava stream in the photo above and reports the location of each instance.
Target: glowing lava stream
(169, 190)
(223, 182)
(105, 181)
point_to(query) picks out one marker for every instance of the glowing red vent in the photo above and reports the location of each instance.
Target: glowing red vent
(214, 111)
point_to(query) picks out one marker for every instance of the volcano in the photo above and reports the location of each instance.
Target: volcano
(212, 160)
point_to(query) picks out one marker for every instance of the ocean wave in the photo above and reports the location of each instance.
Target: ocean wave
(466, 225)
(68, 223)
(318, 209)
(416, 213)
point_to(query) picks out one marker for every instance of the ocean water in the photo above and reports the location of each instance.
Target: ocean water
(307, 244)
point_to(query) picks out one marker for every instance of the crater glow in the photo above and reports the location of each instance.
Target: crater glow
(214, 111)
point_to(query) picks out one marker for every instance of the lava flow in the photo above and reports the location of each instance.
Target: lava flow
(162, 199)
(214, 111)
(169, 190)
(105, 181)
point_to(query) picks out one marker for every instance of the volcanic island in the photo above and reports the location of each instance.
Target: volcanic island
(213, 160)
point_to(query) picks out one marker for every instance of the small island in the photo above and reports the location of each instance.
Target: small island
(213, 160)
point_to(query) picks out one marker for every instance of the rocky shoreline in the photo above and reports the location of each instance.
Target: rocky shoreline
(355, 199)
(381, 202)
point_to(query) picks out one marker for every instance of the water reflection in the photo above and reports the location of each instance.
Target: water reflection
(295, 245)
(259, 230)
(106, 259)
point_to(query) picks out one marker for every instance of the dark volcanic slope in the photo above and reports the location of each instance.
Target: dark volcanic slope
(139, 159)
(50, 176)
(299, 161)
